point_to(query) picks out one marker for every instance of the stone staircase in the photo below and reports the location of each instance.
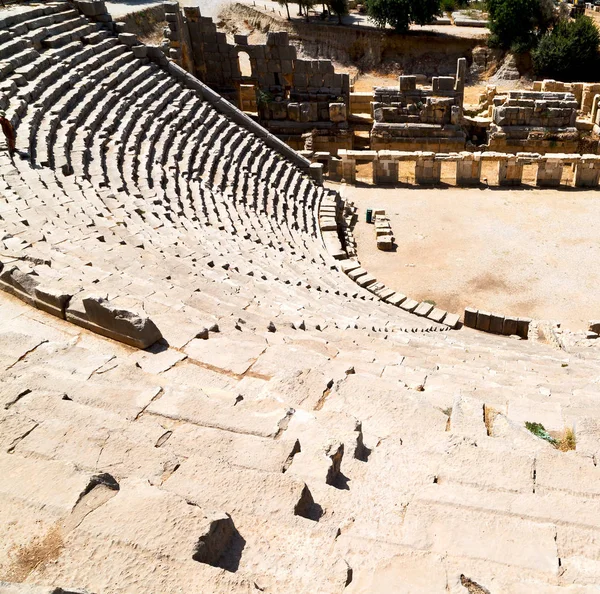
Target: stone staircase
(290, 432)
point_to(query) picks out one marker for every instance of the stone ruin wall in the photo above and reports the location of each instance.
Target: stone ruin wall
(306, 103)
(411, 118)
(534, 121)
(294, 97)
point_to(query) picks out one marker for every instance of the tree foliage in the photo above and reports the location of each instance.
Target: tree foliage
(399, 14)
(339, 7)
(517, 24)
(570, 52)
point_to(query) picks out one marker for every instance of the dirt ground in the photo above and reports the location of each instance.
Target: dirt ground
(524, 252)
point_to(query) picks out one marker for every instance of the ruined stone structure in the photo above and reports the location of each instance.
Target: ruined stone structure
(428, 167)
(534, 121)
(292, 96)
(411, 118)
(289, 430)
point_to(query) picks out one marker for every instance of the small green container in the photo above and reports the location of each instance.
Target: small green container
(369, 215)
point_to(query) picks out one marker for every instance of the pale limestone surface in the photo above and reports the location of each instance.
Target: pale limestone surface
(291, 433)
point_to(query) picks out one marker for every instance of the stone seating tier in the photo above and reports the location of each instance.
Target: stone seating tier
(288, 430)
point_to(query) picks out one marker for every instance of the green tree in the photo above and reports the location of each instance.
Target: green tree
(339, 7)
(399, 14)
(569, 52)
(517, 24)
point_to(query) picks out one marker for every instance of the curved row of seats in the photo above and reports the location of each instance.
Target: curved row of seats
(306, 446)
(148, 161)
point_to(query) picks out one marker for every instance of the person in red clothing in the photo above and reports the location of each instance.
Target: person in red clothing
(9, 132)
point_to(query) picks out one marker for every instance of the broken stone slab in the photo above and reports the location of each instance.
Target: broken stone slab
(356, 273)
(51, 300)
(19, 284)
(594, 326)
(95, 313)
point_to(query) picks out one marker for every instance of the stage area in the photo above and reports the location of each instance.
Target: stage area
(525, 252)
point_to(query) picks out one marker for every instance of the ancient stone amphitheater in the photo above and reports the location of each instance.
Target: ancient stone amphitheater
(196, 398)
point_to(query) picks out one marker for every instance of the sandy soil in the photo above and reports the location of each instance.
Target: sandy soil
(524, 252)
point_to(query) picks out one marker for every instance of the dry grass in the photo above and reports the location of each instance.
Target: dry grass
(489, 414)
(567, 442)
(39, 551)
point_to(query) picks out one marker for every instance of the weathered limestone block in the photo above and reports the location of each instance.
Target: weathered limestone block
(523, 327)
(91, 8)
(19, 284)
(496, 323)
(385, 169)
(215, 540)
(128, 39)
(96, 314)
(348, 168)
(468, 169)
(385, 243)
(51, 300)
(587, 172)
(510, 172)
(294, 111)
(407, 83)
(483, 321)
(549, 172)
(509, 327)
(427, 170)
(337, 112)
(334, 166)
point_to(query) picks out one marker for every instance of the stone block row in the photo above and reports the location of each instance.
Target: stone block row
(496, 323)
(95, 313)
(468, 167)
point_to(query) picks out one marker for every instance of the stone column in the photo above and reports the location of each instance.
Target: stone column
(334, 167)
(468, 169)
(348, 168)
(587, 172)
(549, 172)
(510, 171)
(427, 170)
(385, 169)
(461, 78)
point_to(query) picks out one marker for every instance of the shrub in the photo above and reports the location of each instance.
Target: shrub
(539, 431)
(569, 52)
(518, 23)
(399, 14)
(448, 5)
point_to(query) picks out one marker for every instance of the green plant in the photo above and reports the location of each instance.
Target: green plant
(430, 301)
(519, 23)
(399, 14)
(340, 8)
(448, 5)
(539, 431)
(569, 52)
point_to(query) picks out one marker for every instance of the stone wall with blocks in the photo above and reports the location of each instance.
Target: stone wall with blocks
(420, 118)
(531, 120)
(549, 167)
